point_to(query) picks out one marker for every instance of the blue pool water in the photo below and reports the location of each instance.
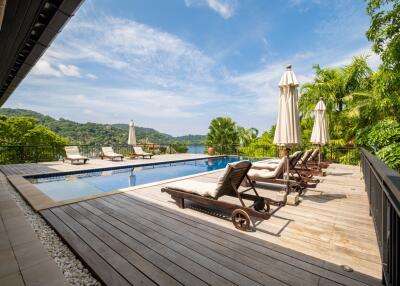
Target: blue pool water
(79, 185)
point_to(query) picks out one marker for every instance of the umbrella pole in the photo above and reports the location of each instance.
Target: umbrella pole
(319, 156)
(287, 170)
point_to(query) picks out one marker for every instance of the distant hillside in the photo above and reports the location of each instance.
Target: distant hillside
(94, 133)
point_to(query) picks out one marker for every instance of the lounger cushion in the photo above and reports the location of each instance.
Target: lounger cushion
(72, 152)
(305, 156)
(268, 174)
(191, 186)
(263, 174)
(108, 151)
(139, 151)
(270, 165)
(314, 155)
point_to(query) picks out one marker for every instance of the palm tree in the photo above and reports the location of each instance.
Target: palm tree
(247, 136)
(334, 85)
(223, 134)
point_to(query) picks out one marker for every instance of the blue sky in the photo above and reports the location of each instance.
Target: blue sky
(174, 65)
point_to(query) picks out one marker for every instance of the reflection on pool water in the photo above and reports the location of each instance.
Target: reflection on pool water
(91, 183)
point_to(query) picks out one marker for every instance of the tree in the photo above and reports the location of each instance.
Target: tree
(34, 141)
(384, 32)
(223, 134)
(334, 85)
(247, 136)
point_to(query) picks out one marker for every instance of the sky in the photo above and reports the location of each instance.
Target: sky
(175, 65)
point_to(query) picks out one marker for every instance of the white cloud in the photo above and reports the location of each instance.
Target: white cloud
(69, 70)
(143, 53)
(91, 76)
(44, 68)
(373, 59)
(226, 8)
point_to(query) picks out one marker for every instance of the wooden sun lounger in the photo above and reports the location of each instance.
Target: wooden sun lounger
(108, 152)
(273, 174)
(73, 155)
(228, 184)
(138, 152)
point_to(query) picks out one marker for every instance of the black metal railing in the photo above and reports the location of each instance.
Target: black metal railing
(13, 154)
(383, 187)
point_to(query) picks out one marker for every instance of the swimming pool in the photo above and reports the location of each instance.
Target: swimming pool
(72, 186)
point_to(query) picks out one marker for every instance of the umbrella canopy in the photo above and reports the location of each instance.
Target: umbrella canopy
(131, 135)
(320, 134)
(287, 132)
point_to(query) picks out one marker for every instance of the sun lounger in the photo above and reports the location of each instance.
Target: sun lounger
(273, 173)
(228, 184)
(138, 152)
(314, 163)
(271, 164)
(108, 152)
(73, 155)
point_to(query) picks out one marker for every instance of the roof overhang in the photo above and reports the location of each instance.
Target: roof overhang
(27, 30)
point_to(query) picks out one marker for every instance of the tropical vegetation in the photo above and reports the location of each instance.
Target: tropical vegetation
(100, 134)
(363, 105)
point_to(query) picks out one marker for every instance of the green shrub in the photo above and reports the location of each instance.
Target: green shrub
(390, 155)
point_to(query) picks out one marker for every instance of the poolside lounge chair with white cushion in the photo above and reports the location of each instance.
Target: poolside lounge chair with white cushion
(271, 164)
(208, 193)
(268, 174)
(108, 152)
(273, 174)
(73, 155)
(138, 152)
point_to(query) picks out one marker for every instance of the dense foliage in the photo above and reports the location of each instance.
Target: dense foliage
(101, 134)
(226, 136)
(27, 134)
(26, 131)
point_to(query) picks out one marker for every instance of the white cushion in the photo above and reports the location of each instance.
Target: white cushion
(268, 174)
(263, 174)
(108, 151)
(71, 150)
(139, 151)
(191, 186)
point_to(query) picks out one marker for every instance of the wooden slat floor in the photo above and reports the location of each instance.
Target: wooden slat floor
(25, 169)
(129, 241)
(142, 237)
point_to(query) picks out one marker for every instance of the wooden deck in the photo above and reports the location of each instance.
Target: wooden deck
(141, 237)
(127, 240)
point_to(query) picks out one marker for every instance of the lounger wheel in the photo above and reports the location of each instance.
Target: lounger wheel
(240, 219)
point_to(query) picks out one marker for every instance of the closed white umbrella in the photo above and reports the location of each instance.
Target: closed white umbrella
(287, 132)
(132, 134)
(320, 133)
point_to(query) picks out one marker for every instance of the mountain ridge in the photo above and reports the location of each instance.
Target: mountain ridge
(96, 133)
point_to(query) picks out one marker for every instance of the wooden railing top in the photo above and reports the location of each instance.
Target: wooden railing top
(389, 177)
